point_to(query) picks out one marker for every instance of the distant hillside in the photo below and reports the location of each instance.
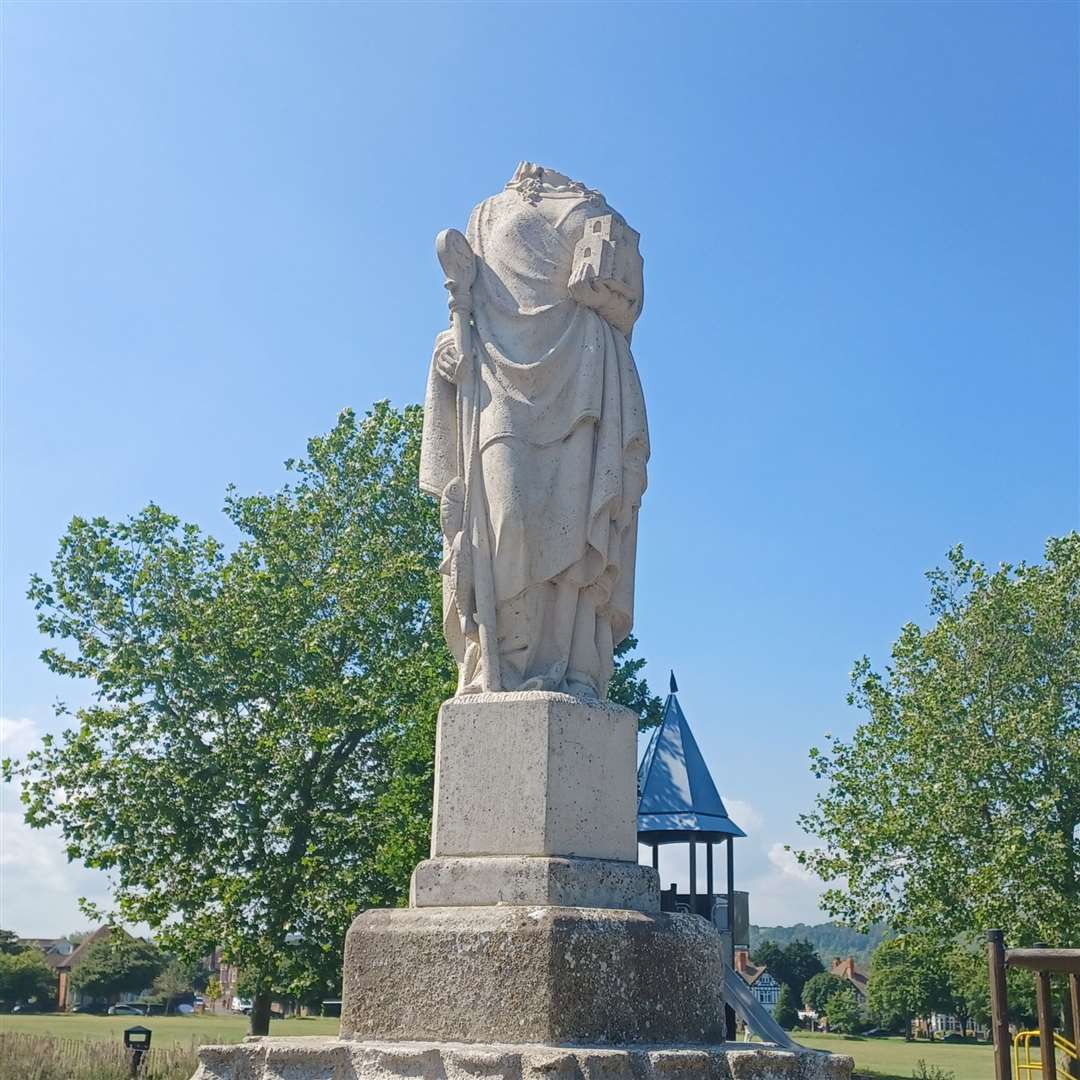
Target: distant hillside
(829, 939)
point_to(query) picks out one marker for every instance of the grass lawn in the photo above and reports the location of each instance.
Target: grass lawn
(167, 1030)
(889, 1059)
(894, 1058)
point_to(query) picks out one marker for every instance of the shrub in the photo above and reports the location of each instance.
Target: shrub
(923, 1071)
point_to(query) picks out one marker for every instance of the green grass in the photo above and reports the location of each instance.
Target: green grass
(167, 1030)
(894, 1059)
(887, 1059)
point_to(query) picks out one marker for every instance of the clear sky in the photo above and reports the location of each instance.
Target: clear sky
(859, 343)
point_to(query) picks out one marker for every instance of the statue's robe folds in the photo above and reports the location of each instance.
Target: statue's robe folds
(563, 444)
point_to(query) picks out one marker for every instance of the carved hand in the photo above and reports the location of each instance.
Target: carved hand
(610, 299)
(447, 357)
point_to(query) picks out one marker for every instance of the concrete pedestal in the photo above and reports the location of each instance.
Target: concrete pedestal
(535, 773)
(547, 881)
(342, 1059)
(534, 948)
(543, 974)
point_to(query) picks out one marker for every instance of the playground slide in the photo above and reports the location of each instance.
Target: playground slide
(756, 1017)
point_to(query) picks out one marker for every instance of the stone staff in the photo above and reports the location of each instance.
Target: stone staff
(471, 550)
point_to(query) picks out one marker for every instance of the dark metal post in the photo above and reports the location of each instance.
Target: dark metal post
(999, 1005)
(729, 1012)
(1045, 1008)
(731, 890)
(693, 877)
(656, 856)
(709, 874)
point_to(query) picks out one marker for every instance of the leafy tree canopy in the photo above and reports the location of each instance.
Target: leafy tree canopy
(10, 944)
(843, 1011)
(819, 988)
(908, 979)
(956, 805)
(784, 1011)
(258, 763)
(175, 980)
(25, 976)
(628, 688)
(117, 963)
(791, 964)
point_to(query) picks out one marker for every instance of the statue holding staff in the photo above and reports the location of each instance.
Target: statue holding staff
(535, 438)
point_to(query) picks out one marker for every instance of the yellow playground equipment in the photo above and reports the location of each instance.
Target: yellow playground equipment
(1027, 1056)
(1044, 1054)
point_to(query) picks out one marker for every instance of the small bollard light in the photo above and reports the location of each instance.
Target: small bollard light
(137, 1040)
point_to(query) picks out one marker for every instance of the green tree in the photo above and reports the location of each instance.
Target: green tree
(25, 976)
(819, 988)
(791, 964)
(259, 757)
(258, 763)
(214, 991)
(843, 1011)
(629, 689)
(10, 944)
(969, 984)
(117, 964)
(908, 979)
(176, 980)
(957, 802)
(784, 1011)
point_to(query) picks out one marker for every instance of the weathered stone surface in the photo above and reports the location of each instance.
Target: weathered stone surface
(534, 880)
(535, 773)
(542, 974)
(535, 439)
(341, 1059)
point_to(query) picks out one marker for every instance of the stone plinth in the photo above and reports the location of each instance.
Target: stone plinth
(535, 773)
(543, 974)
(342, 1059)
(534, 880)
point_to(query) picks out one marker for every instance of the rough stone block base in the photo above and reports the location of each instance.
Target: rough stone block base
(535, 773)
(341, 1059)
(532, 974)
(545, 881)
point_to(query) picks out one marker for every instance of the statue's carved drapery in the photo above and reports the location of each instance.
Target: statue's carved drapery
(536, 441)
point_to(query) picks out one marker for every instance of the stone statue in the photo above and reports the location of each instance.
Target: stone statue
(535, 439)
(534, 944)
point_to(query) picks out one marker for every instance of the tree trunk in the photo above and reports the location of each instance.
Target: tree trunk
(260, 1013)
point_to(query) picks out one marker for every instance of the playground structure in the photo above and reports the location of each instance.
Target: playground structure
(1043, 1054)
(678, 803)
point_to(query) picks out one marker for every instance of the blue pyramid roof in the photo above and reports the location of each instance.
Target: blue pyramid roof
(676, 793)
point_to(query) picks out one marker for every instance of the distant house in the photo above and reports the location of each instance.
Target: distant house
(67, 997)
(760, 980)
(57, 953)
(53, 948)
(858, 980)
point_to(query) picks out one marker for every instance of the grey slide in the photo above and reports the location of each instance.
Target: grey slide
(754, 1015)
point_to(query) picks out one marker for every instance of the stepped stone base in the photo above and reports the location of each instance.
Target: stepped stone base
(550, 881)
(510, 974)
(341, 1059)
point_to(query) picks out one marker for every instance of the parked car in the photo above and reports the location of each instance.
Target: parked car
(127, 1009)
(183, 1009)
(26, 1007)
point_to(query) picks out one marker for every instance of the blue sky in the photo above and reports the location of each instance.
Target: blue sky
(859, 343)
